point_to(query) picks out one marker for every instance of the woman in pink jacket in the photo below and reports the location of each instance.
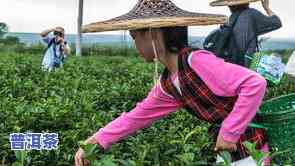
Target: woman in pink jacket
(223, 94)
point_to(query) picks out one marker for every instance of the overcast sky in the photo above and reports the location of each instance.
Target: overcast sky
(37, 15)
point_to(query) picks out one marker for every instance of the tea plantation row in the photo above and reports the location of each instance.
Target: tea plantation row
(88, 93)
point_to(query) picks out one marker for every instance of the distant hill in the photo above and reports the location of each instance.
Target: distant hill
(88, 39)
(34, 38)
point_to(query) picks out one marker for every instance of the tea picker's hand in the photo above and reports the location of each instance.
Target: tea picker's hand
(80, 155)
(80, 158)
(222, 145)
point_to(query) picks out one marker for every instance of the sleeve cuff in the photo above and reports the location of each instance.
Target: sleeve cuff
(104, 145)
(229, 136)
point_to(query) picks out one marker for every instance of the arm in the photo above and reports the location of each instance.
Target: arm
(250, 95)
(46, 39)
(46, 32)
(265, 23)
(226, 79)
(265, 4)
(156, 106)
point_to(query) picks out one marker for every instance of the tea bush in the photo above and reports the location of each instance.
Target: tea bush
(85, 95)
(88, 49)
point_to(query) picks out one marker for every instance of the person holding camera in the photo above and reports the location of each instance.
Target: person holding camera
(57, 48)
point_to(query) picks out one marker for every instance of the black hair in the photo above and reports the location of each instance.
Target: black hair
(238, 8)
(175, 38)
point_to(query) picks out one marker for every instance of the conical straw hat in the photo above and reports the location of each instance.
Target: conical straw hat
(231, 2)
(155, 14)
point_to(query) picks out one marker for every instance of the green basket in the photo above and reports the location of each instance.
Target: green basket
(278, 117)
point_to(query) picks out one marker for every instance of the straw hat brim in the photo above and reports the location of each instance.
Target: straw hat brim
(231, 2)
(157, 22)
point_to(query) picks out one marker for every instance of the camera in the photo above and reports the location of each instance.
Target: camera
(57, 33)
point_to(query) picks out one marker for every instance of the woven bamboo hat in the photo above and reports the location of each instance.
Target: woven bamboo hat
(231, 2)
(155, 14)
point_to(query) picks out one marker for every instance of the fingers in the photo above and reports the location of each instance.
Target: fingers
(80, 161)
(77, 161)
(221, 145)
(79, 158)
(233, 148)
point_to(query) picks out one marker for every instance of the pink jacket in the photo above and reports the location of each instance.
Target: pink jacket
(224, 79)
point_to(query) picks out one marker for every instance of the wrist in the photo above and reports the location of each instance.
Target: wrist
(267, 9)
(229, 136)
(91, 140)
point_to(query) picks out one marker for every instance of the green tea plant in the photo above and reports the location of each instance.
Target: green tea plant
(84, 96)
(21, 156)
(257, 155)
(226, 158)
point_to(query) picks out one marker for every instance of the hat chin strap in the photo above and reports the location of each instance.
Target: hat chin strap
(156, 73)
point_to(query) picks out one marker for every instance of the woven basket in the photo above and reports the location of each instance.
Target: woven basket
(155, 14)
(278, 116)
(231, 2)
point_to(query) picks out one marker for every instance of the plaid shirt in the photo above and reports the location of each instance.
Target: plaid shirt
(200, 101)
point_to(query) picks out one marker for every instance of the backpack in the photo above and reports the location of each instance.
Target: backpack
(218, 41)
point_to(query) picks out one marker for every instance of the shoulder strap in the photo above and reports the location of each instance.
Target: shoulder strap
(254, 37)
(236, 18)
(249, 42)
(50, 43)
(232, 30)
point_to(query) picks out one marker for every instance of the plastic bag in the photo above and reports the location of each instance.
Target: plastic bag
(290, 68)
(270, 67)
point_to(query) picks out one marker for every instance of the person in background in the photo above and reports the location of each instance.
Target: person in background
(250, 24)
(57, 48)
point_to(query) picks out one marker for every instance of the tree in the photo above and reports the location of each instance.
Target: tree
(11, 40)
(3, 29)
